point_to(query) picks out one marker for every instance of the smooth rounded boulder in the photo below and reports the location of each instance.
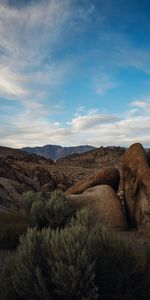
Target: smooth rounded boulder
(136, 186)
(108, 175)
(105, 203)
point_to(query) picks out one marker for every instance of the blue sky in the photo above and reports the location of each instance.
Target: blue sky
(74, 72)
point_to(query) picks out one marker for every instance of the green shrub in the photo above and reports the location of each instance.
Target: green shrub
(119, 271)
(53, 213)
(84, 217)
(58, 209)
(32, 275)
(28, 198)
(54, 263)
(12, 225)
(81, 261)
(73, 271)
(38, 215)
(7, 291)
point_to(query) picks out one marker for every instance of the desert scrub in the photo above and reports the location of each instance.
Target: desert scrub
(7, 291)
(83, 260)
(73, 266)
(52, 212)
(120, 273)
(58, 209)
(55, 264)
(28, 198)
(12, 225)
(32, 274)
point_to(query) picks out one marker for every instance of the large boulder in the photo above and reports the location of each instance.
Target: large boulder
(109, 176)
(136, 186)
(103, 200)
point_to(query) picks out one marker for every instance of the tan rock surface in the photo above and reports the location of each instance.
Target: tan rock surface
(103, 200)
(136, 185)
(107, 175)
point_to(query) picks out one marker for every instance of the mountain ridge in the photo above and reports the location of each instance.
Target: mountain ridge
(56, 152)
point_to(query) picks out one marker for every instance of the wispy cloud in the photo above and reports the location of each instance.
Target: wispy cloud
(144, 105)
(91, 120)
(104, 83)
(12, 84)
(27, 40)
(37, 58)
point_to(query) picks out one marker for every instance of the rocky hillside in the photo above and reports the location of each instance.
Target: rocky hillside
(20, 171)
(100, 157)
(56, 152)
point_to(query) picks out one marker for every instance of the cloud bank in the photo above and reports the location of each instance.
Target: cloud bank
(87, 128)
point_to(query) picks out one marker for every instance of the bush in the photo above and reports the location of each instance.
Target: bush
(120, 272)
(58, 209)
(53, 263)
(12, 225)
(84, 217)
(32, 275)
(90, 260)
(81, 261)
(6, 288)
(53, 213)
(28, 198)
(72, 267)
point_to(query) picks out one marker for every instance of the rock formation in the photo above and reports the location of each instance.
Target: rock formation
(103, 200)
(20, 172)
(136, 186)
(109, 176)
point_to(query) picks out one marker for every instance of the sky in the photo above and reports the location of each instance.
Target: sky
(74, 72)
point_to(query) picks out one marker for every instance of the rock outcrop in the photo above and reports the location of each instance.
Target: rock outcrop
(109, 176)
(101, 157)
(20, 172)
(103, 200)
(136, 186)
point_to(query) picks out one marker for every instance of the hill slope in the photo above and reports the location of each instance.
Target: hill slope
(99, 157)
(21, 171)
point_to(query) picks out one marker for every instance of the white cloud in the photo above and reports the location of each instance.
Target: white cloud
(29, 38)
(31, 129)
(145, 105)
(91, 120)
(104, 83)
(11, 84)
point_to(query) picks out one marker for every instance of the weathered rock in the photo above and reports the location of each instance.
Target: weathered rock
(136, 185)
(120, 194)
(48, 187)
(61, 187)
(107, 175)
(103, 200)
(10, 191)
(41, 176)
(60, 178)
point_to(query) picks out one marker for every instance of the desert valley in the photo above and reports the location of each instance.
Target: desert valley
(74, 150)
(113, 183)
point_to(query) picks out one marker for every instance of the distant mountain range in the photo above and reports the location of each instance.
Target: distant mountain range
(56, 152)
